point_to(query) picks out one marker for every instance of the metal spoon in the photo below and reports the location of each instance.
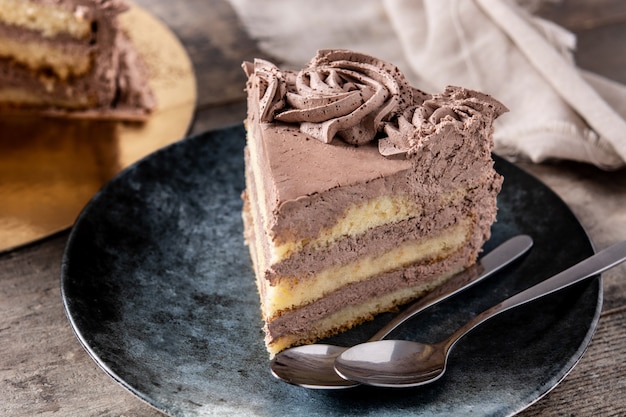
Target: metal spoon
(312, 366)
(401, 363)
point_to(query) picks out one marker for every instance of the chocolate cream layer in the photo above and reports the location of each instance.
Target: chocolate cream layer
(113, 76)
(433, 220)
(424, 276)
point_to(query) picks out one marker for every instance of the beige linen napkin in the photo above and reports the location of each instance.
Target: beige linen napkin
(495, 46)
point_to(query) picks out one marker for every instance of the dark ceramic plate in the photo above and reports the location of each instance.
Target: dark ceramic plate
(158, 287)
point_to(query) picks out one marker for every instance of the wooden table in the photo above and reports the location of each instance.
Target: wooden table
(44, 370)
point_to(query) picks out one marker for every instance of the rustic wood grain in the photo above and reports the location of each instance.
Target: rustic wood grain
(44, 371)
(596, 386)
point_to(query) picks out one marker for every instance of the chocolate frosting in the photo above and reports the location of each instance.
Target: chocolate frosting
(359, 98)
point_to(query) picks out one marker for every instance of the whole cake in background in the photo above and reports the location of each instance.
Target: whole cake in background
(362, 192)
(70, 56)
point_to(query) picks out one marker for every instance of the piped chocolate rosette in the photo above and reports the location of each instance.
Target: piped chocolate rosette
(455, 106)
(358, 98)
(345, 94)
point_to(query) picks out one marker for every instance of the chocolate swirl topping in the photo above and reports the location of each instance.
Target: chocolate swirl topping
(455, 105)
(358, 98)
(347, 95)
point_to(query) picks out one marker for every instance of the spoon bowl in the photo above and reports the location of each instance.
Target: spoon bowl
(424, 363)
(401, 363)
(312, 366)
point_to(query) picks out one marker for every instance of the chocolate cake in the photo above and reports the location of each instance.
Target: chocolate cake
(362, 192)
(70, 55)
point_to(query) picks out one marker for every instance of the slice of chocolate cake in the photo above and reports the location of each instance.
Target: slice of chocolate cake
(362, 193)
(70, 55)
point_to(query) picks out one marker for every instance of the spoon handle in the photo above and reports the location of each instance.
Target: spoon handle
(488, 265)
(596, 264)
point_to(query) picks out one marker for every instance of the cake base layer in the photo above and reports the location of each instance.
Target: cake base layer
(19, 88)
(348, 317)
(48, 17)
(63, 62)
